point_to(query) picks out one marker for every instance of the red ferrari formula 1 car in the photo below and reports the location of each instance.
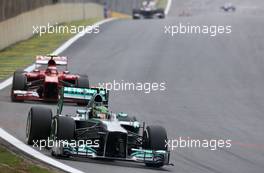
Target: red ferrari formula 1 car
(45, 81)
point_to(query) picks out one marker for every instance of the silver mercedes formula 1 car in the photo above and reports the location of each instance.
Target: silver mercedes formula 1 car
(96, 132)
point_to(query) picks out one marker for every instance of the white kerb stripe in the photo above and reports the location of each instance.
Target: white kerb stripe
(167, 9)
(36, 154)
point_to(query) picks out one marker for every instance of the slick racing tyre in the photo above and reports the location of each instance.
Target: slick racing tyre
(38, 124)
(19, 83)
(161, 12)
(63, 128)
(136, 14)
(83, 82)
(154, 138)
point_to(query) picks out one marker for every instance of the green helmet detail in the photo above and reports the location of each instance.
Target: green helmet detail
(101, 109)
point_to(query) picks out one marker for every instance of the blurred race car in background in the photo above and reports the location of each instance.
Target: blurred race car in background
(95, 132)
(148, 11)
(44, 82)
(228, 7)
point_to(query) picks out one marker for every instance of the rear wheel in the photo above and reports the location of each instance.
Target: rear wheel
(20, 71)
(83, 82)
(154, 138)
(135, 14)
(162, 13)
(38, 124)
(19, 83)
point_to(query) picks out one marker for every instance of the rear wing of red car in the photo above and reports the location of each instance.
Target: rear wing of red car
(81, 94)
(59, 60)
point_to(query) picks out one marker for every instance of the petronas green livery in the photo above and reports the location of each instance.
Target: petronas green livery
(95, 132)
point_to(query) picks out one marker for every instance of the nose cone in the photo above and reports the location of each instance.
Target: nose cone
(51, 79)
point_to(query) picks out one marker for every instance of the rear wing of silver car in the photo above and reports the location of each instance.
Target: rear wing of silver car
(84, 95)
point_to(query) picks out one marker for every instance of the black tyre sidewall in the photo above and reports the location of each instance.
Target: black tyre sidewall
(40, 127)
(156, 139)
(19, 83)
(65, 128)
(83, 81)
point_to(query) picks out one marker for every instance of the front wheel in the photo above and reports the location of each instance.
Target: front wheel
(154, 138)
(63, 129)
(19, 83)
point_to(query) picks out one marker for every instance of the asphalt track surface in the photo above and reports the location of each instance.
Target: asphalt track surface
(214, 85)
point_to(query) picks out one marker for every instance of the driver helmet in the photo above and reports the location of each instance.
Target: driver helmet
(51, 66)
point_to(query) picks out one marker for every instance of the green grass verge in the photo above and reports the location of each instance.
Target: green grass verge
(10, 163)
(162, 3)
(22, 54)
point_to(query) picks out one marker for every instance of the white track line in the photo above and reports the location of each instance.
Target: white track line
(63, 47)
(167, 9)
(20, 145)
(36, 154)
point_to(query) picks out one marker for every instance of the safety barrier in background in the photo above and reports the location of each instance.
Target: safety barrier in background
(18, 17)
(12, 8)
